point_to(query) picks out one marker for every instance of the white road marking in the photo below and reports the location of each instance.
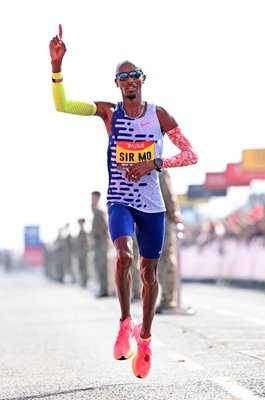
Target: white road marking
(179, 357)
(225, 312)
(235, 389)
(228, 313)
(188, 363)
(255, 320)
(233, 340)
(204, 306)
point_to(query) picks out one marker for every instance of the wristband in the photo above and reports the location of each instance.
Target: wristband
(57, 75)
(57, 80)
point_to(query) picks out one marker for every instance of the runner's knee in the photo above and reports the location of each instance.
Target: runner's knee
(124, 259)
(149, 275)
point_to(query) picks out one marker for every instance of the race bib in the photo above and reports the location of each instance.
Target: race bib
(133, 152)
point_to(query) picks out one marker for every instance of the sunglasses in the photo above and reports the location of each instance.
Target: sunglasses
(123, 76)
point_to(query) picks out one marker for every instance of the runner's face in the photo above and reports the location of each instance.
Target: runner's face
(130, 87)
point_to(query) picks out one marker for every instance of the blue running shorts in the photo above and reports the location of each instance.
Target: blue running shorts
(149, 228)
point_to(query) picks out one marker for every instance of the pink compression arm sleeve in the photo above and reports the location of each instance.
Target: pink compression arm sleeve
(187, 156)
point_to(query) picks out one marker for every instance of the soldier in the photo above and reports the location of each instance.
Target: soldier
(67, 252)
(7, 259)
(59, 250)
(135, 271)
(82, 248)
(101, 243)
(168, 266)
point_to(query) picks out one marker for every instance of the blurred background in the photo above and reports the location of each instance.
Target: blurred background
(204, 63)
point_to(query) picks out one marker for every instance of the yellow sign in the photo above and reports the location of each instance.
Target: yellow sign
(185, 202)
(134, 152)
(253, 160)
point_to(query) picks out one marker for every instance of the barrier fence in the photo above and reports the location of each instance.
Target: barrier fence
(231, 259)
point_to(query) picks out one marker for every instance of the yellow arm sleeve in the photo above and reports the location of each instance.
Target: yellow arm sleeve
(62, 104)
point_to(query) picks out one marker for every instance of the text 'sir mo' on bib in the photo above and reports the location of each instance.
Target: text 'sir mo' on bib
(134, 152)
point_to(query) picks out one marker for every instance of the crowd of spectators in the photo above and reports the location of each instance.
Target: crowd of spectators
(246, 224)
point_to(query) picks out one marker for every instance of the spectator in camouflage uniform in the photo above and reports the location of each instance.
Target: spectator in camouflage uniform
(100, 236)
(82, 248)
(67, 254)
(59, 250)
(168, 264)
(135, 271)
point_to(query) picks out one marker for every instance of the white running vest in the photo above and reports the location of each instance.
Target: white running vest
(134, 140)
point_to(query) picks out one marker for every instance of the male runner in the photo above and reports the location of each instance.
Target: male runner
(136, 129)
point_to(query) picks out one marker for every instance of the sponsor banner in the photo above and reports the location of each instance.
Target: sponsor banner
(215, 180)
(236, 176)
(253, 160)
(196, 191)
(217, 192)
(199, 191)
(34, 257)
(184, 201)
(32, 236)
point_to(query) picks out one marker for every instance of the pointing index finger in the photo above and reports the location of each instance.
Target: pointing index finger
(60, 31)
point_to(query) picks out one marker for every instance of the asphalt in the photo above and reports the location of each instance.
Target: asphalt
(56, 343)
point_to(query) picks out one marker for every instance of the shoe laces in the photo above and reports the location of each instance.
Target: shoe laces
(143, 344)
(122, 331)
(145, 349)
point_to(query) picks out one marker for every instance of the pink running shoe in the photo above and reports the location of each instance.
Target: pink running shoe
(141, 363)
(123, 348)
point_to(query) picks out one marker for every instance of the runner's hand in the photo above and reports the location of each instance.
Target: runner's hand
(57, 47)
(136, 171)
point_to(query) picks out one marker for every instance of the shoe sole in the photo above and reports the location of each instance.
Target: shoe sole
(131, 352)
(126, 357)
(136, 332)
(133, 368)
